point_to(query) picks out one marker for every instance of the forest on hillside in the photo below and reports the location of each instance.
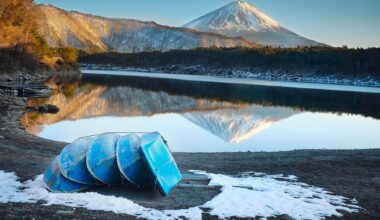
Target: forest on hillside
(360, 62)
(22, 47)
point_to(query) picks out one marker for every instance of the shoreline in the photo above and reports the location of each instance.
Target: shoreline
(234, 80)
(245, 74)
(350, 173)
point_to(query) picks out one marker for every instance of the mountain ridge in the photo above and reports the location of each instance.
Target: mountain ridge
(93, 32)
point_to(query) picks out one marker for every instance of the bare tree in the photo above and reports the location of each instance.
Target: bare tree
(17, 16)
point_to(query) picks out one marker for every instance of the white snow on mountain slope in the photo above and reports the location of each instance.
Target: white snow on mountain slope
(84, 31)
(240, 18)
(269, 195)
(239, 15)
(237, 125)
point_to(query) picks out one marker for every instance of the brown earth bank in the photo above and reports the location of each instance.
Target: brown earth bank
(350, 173)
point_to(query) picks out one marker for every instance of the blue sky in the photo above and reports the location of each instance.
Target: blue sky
(355, 23)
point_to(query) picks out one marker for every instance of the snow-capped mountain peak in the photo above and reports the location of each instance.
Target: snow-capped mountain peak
(238, 15)
(253, 16)
(241, 19)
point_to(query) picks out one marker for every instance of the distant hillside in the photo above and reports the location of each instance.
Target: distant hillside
(22, 47)
(73, 29)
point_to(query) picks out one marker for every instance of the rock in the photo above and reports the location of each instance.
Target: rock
(64, 212)
(5, 77)
(48, 109)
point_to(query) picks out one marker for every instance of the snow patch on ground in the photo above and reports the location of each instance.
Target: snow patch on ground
(246, 195)
(274, 195)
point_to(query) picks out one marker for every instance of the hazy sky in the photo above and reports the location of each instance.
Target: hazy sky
(355, 23)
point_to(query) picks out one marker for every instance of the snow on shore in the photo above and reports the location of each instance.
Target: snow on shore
(246, 195)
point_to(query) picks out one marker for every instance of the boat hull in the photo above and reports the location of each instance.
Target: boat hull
(72, 161)
(160, 162)
(130, 163)
(56, 182)
(101, 159)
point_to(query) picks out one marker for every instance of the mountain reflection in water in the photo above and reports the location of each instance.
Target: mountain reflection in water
(203, 116)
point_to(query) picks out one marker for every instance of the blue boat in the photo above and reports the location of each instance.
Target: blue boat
(72, 161)
(144, 160)
(101, 159)
(130, 163)
(56, 182)
(160, 162)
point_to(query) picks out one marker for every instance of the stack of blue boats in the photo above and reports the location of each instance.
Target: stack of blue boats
(140, 160)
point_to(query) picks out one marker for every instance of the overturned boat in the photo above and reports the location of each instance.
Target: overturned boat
(139, 159)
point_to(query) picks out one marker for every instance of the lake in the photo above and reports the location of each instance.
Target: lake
(205, 116)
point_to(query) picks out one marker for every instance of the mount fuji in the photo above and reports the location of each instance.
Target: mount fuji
(240, 18)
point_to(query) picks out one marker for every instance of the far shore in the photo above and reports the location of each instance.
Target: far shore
(238, 80)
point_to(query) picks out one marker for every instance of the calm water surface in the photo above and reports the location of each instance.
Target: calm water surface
(210, 117)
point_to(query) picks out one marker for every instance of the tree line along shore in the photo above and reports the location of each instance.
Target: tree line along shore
(322, 60)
